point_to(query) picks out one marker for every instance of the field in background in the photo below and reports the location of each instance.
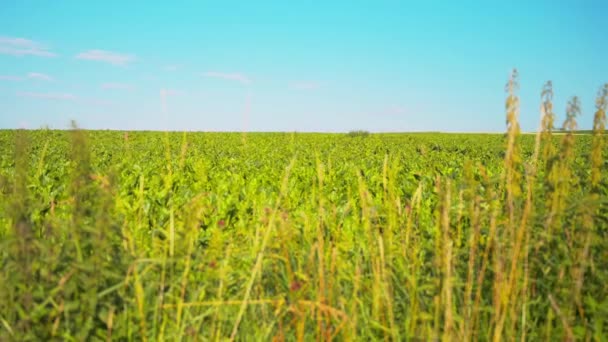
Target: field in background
(288, 236)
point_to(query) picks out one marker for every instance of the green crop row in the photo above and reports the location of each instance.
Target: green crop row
(108, 235)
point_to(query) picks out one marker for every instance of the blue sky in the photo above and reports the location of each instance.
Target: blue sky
(283, 66)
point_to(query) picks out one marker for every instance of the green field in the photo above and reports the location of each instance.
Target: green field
(303, 236)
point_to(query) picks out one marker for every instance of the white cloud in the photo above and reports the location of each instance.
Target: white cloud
(23, 47)
(243, 79)
(11, 78)
(39, 76)
(305, 85)
(117, 86)
(30, 76)
(113, 58)
(49, 96)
